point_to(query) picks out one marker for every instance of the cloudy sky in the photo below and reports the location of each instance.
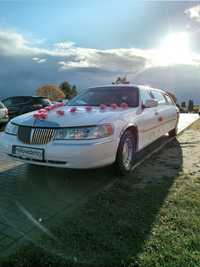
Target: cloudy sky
(91, 42)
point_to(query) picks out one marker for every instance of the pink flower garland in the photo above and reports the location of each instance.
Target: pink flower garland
(114, 106)
(124, 105)
(88, 108)
(42, 114)
(60, 112)
(73, 110)
(102, 107)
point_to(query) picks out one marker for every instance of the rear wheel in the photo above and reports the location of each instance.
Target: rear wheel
(126, 153)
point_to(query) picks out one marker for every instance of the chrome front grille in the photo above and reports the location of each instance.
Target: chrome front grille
(35, 136)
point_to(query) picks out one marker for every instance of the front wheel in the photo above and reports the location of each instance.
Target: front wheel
(126, 153)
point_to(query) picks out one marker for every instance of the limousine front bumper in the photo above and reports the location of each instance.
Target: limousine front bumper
(83, 154)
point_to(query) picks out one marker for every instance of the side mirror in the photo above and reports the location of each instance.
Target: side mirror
(151, 103)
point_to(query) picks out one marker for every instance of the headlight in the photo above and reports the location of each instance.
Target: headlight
(11, 128)
(79, 133)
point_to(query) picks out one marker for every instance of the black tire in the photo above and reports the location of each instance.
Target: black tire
(127, 139)
(173, 133)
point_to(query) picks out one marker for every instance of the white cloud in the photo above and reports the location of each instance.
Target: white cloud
(193, 13)
(23, 72)
(39, 60)
(66, 55)
(14, 44)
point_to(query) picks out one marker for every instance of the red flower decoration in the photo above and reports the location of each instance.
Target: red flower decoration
(36, 115)
(43, 116)
(60, 112)
(88, 108)
(42, 110)
(73, 110)
(40, 115)
(114, 106)
(61, 104)
(124, 105)
(103, 107)
(53, 106)
(48, 108)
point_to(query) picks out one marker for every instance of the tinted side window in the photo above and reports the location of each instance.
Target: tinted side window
(19, 100)
(145, 95)
(159, 97)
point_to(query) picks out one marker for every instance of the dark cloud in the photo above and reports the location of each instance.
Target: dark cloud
(24, 67)
(183, 80)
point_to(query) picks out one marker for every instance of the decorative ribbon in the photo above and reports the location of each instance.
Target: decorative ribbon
(88, 108)
(42, 114)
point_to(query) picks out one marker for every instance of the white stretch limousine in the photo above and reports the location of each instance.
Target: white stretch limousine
(101, 126)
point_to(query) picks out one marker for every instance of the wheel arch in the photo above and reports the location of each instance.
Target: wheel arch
(134, 130)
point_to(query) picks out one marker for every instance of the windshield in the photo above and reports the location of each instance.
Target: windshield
(107, 96)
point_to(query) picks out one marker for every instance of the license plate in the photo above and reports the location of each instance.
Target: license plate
(28, 152)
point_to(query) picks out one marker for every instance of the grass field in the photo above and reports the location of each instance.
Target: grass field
(150, 219)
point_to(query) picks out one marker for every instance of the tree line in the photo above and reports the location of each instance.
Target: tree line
(187, 107)
(67, 91)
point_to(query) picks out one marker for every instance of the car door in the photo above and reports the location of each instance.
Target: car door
(164, 113)
(147, 120)
(173, 112)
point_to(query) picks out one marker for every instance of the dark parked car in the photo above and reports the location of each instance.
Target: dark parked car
(18, 105)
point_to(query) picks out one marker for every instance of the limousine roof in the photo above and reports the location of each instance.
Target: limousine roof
(128, 85)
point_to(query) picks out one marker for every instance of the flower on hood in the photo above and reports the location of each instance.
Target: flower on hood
(103, 107)
(60, 112)
(42, 110)
(114, 106)
(88, 108)
(124, 105)
(40, 115)
(48, 108)
(73, 110)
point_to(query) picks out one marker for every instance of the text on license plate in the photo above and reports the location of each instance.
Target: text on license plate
(28, 153)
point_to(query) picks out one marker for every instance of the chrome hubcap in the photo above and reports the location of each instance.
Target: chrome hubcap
(127, 153)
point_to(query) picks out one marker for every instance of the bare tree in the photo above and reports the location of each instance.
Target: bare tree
(51, 91)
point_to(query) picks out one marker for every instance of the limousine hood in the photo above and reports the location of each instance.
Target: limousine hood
(81, 117)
